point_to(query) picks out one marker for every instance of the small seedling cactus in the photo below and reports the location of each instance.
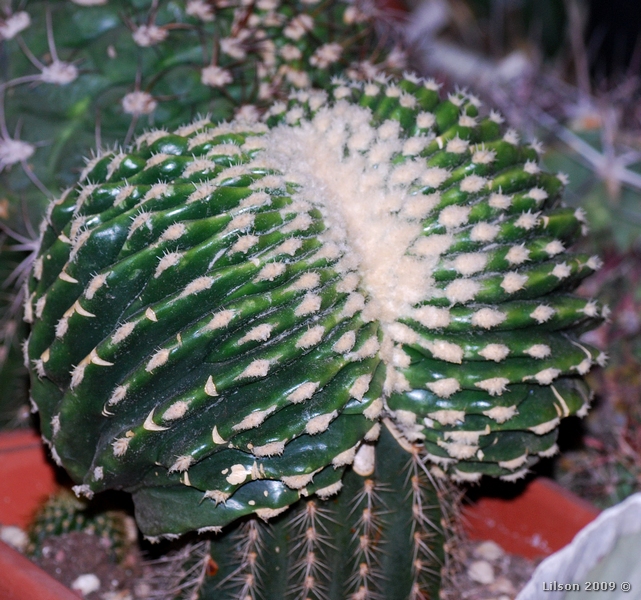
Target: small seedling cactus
(310, 320)
(63, 513)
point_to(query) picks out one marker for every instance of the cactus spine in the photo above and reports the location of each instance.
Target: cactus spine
(226, 318)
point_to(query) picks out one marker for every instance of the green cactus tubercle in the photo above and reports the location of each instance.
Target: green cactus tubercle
(231, 317)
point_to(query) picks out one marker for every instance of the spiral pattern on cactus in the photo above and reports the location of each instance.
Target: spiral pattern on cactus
(224, 316)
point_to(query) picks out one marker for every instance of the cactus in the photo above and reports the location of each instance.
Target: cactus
(382, 536)
(84, 74)
(231, 317)
(63, 513)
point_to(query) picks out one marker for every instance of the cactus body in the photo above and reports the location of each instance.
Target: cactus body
(225, 317)
(382, 536)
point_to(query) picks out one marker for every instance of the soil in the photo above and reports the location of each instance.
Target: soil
(486, 572)
(69, 558)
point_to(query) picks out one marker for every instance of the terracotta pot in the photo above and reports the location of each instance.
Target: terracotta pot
(541, 519)
(27, 477)
(535, 523)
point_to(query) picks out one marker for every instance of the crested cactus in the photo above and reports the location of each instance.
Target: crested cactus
(231, 317)
(82, 74)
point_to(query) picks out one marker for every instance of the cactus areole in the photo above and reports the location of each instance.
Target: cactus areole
(225, 317)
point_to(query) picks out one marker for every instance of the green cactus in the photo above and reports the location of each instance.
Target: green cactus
(63, 513)
(80, 75)
(383, 536)
(229, 318)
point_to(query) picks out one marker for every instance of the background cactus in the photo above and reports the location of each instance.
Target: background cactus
(81, 75)
(63, 513)
(227, 317)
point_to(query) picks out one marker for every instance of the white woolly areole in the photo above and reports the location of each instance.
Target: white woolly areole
(517, 254)
(374, 410)
(271, 449)
(14, 151)
(139, 103)
(473, 183)
(364, 460)
(14, 24)
(546, 427)
(259, 333)
(462, 290)
(176, 411)
(253, 419)
(542, 313)
(117, 395)
(484, 232)
(215, 76)
(221, 319)
(303, 392)
(311, 337)
(157, 360)
(432, 317)
(444, 388)
(446, 351)
(311, 303)
(459, 450)
(345, 343)
(257, 368)
(495, 352)
(546, 376)
(344, 458)
(360, 386)
(454, 216)
(470, 263)
(513, 282)
(562, 271)
(320, 423)
(513, 464)
(539, 351)
(554, 247)
(495, 386)
(500, 414)
(59, 73)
